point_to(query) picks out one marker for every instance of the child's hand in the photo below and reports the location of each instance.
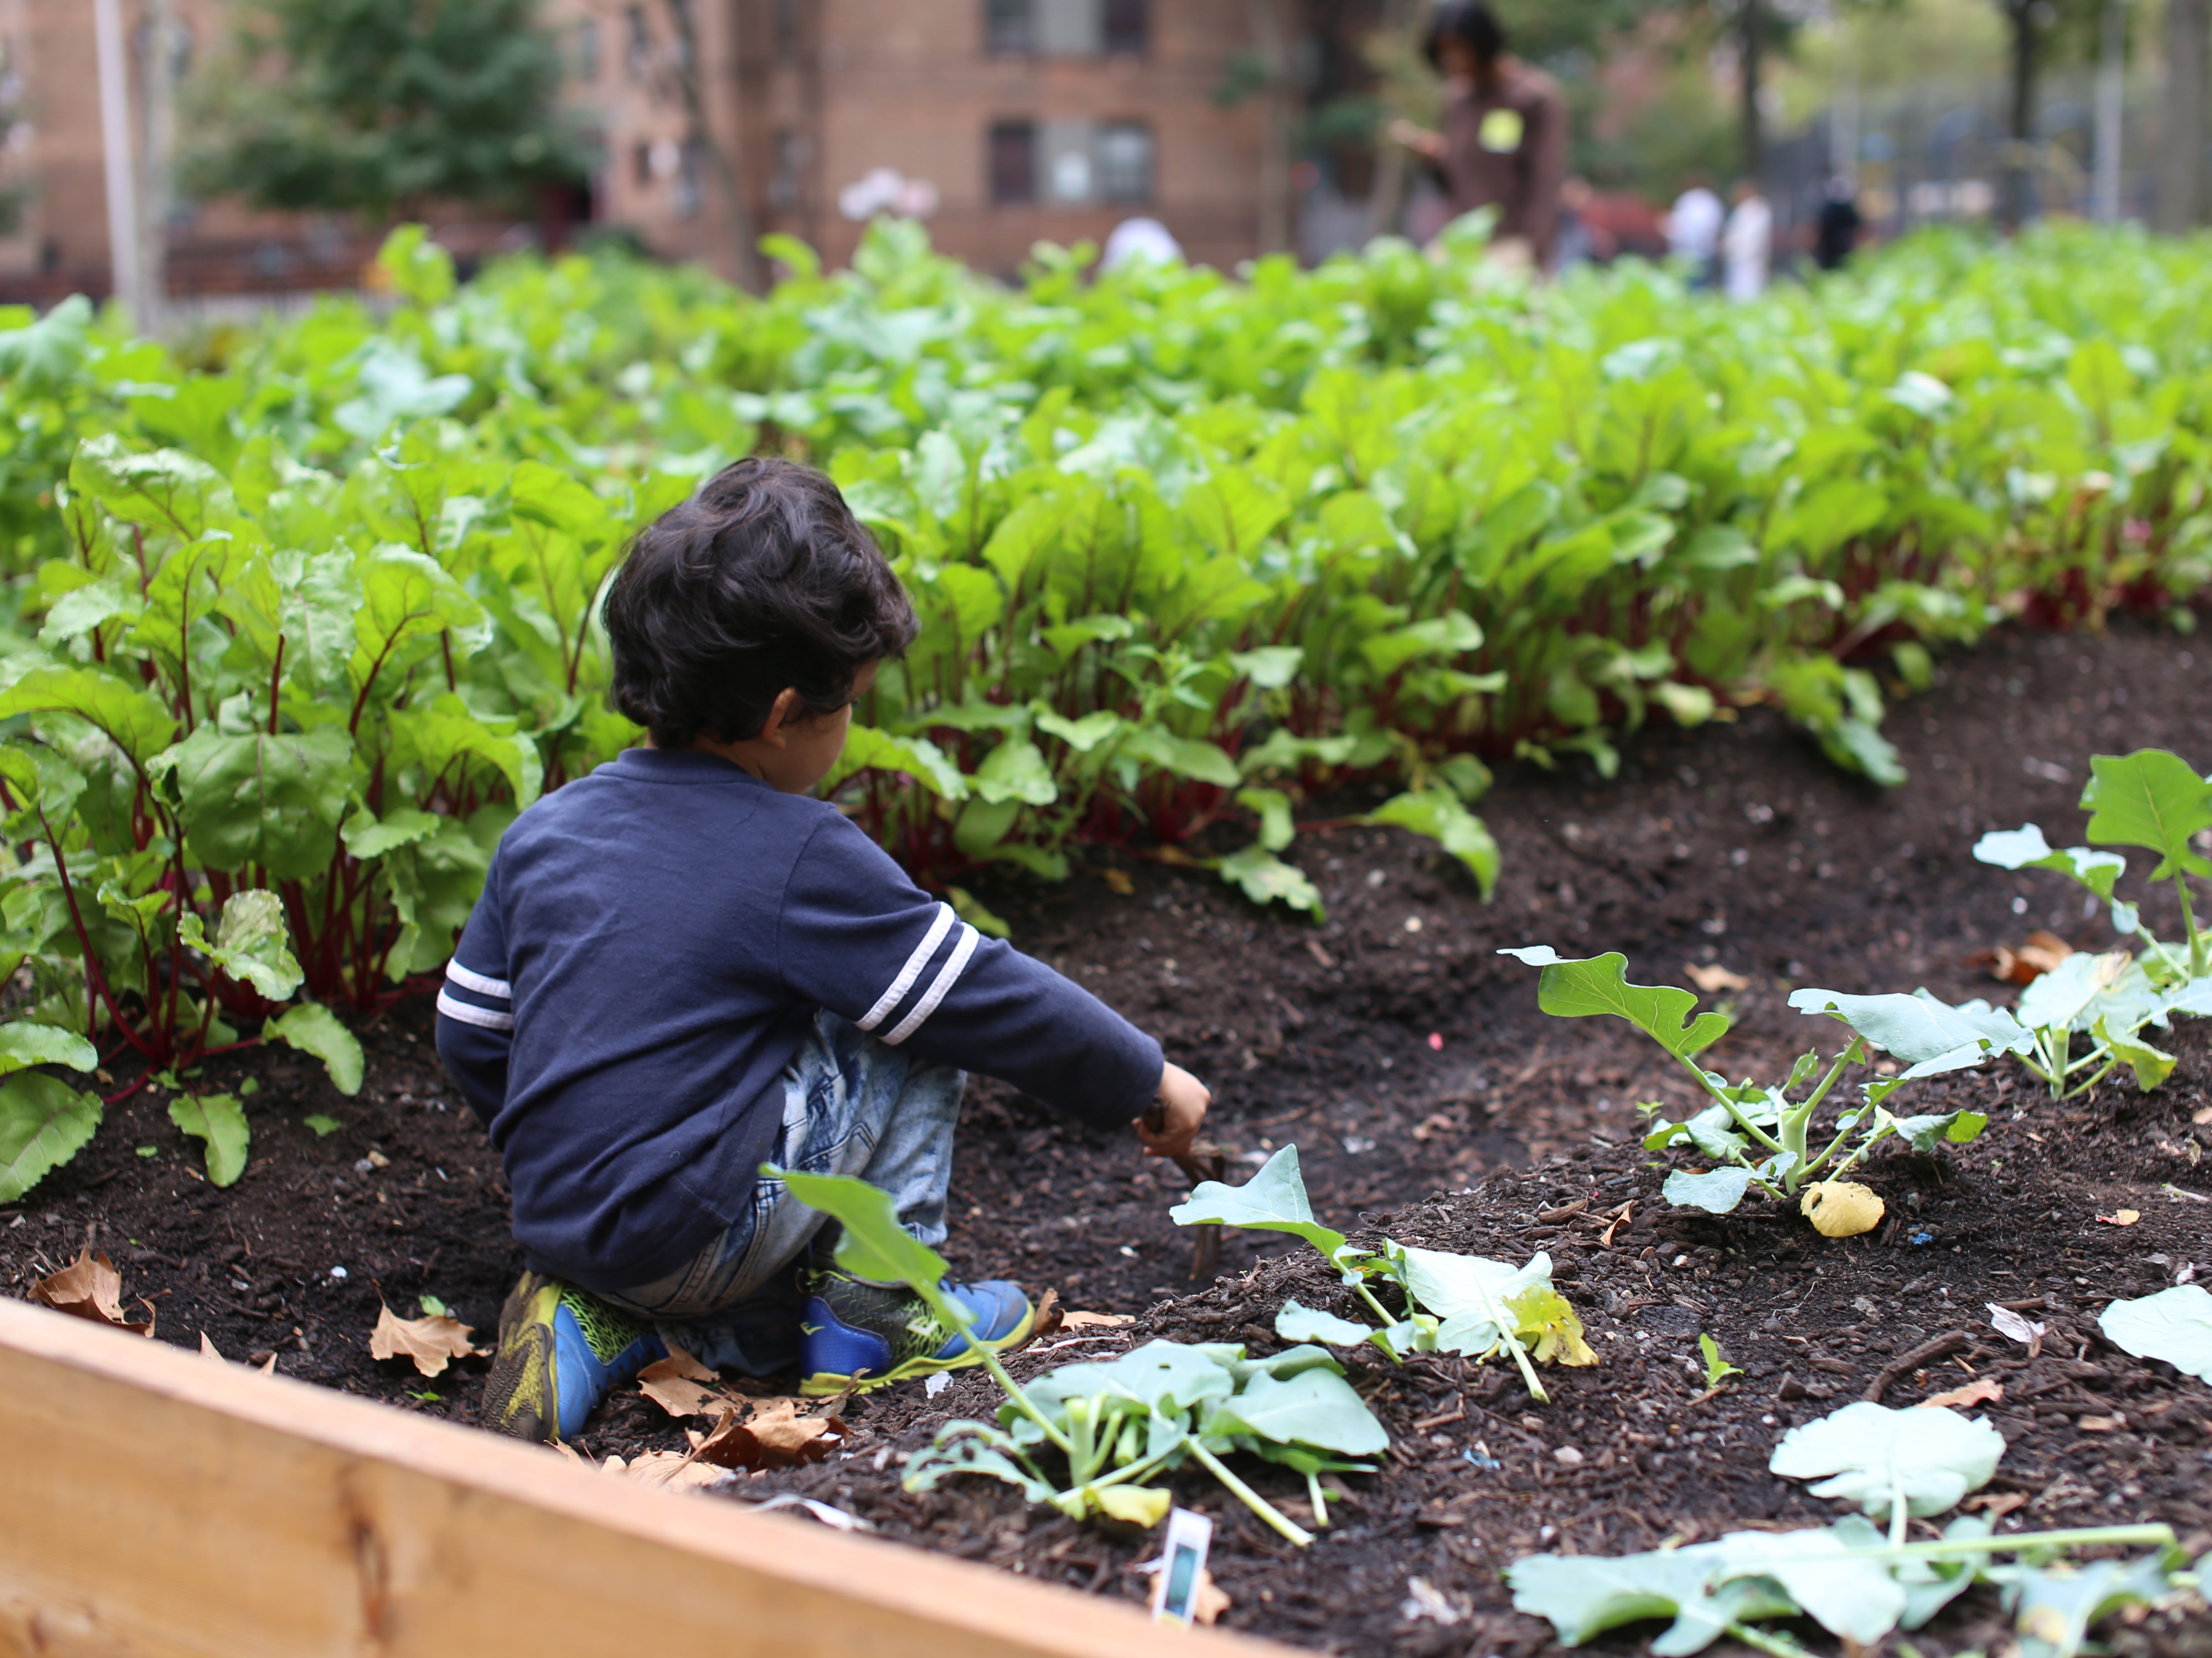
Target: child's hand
(1176, 1114)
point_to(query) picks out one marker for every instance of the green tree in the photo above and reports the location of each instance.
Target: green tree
(381, 106)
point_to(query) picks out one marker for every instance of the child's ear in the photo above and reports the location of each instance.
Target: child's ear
(781, 714)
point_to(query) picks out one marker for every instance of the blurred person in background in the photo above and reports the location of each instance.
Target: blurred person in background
(1582, 239)
(1747, 241)
(1505, 138)
(1141, 240)
(1693, 231)
(1836, 232)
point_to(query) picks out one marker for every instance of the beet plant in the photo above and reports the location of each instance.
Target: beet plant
(1758, 1134)
(1113, 1424)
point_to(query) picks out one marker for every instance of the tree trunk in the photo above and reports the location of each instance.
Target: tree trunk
(1386, 196)
(2018, 201)
(1751, 43)
(2181, 180)
(1272, 46)
(690, 76)
(163, 40)
(2111, 93)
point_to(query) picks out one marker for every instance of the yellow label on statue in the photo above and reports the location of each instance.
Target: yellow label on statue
(1500, 132)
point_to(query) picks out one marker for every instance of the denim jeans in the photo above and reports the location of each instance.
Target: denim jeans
(852, 1105)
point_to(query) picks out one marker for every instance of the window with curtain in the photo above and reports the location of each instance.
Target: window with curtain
(1013, 161)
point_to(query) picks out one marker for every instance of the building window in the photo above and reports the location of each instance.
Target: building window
(1009, 27)
(1124, 161)
(587, 50)
(1128, 26)
(640, 44)
(641, 163)
(1013, 161)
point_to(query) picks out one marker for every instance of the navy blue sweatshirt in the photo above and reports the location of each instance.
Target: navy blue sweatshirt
(652, 945)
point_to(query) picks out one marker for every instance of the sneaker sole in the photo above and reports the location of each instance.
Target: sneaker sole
(823, 1384)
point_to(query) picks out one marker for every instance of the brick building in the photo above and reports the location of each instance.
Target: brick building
(1008, 121)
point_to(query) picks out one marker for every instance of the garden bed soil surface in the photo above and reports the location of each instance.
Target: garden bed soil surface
(1430, 1100)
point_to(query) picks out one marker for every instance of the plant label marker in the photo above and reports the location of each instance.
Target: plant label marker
(1174, 1587)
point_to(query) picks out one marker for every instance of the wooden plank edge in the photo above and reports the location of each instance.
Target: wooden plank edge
(55, 1366)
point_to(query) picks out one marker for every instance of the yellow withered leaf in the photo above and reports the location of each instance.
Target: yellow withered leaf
(1840, 1208)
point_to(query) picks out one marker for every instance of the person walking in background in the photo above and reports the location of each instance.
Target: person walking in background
(1747, 241)
(1693, 231)
(1835, 234)
(1505, 138)
(1581, 239)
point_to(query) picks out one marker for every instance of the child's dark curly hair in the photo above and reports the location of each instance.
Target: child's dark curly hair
(762, 580)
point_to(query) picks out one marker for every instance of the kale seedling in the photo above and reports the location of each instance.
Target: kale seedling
(2151, 799)
(1122, 1421)
(1758, 1134)
(1455, 1303)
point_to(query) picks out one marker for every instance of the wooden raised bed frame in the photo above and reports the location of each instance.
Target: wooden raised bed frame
(156, 1505)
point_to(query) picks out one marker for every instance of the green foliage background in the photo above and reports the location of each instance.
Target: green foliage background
(302, 624)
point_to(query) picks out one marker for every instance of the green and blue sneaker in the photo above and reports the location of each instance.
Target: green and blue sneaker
(561, 1351)
(855, 1334)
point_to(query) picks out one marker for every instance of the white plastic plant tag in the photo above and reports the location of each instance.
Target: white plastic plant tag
(1181, 1564)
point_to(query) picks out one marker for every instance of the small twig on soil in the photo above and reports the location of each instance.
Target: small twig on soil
(1457, 1413)
(1926, 1353)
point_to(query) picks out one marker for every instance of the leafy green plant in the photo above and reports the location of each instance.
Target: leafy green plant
(43, 1123)
(1892, 1463)
(1850, 1580)
(2151, 799)
(1455, 1303)
(2175, 1325)
(1717, 1368)
(1756, 1134)
(1118, 1423)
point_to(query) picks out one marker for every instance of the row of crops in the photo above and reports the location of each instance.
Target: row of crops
(298, 620)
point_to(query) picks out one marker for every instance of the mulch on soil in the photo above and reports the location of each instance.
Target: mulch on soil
(1430, 1099)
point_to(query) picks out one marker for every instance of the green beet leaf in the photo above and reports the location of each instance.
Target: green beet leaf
(43, 1123)
(273, 801)
(218, 1122)
(25, 1043)
(251, 944)
(2053, 1607)
(2174, 1325)
(1717, 1191)
(1265, 878)
(1437, 814)
(313, 1028)
(1872, 1456)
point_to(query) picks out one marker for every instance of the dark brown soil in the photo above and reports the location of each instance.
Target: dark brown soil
(1428, 1096)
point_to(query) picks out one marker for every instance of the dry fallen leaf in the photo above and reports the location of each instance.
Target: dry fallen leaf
(681, 1398)
(433, 1343)
(1046, 1319)
(207, 1350)
(2120, 1217)
(1119, 880)
(776, 1436)
(2101, 1424)
(1110, 1321)
(1209, 1600)
(90, 1287)
(1715, 978)
(1997, 1504)
(1982, 1390)
(670, 1470)
(680, 1363)
(2041, 953)
(1840, 1208)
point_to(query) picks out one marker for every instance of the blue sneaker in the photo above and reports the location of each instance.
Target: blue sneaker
(855, 1334)
(561, 1351)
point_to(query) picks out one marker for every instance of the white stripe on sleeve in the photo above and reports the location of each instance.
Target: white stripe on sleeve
(477, 982)
(914, 963)
(951, 970)
(470, 1013)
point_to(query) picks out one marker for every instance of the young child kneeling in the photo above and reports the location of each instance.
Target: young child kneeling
(685, 965)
